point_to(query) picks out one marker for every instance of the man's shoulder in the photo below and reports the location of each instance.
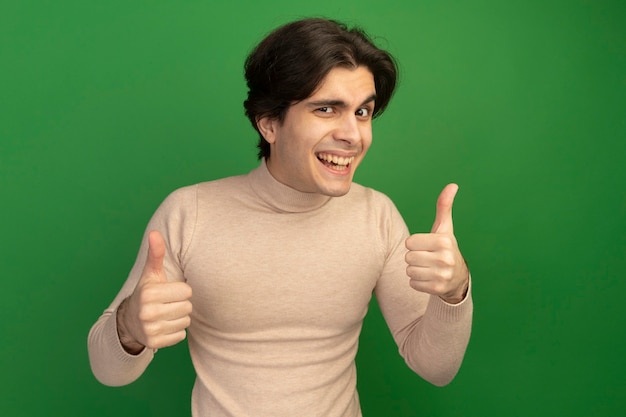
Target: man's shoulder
(376, 208)
(361, 192)
(225, 183)
(212, 189)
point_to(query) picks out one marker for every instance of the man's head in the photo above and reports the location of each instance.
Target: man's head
(292, 61)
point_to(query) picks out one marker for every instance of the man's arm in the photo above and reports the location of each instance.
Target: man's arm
(430, 317)
(155, 315)
(433, 345)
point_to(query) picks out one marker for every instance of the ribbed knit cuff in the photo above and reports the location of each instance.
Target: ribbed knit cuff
(115, 346)
(451, 313)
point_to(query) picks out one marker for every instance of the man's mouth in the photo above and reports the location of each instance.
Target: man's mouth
(338, 163)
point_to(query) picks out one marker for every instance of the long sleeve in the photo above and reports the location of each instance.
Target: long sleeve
(110, 363)
(434, 345)
(432, 335)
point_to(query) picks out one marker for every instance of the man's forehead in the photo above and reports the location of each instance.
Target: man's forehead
(346, 84)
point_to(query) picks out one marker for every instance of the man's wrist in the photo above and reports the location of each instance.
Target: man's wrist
(456, 299)
(129, 344)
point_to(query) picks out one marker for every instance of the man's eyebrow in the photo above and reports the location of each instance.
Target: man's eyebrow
(338, 103)
(369, 99)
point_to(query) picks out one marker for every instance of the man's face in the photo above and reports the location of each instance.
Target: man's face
(322, 140)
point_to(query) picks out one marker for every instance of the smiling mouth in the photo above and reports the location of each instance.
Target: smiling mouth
(338, 163)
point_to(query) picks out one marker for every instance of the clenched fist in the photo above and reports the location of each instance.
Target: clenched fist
(435, 264)
(158, 312)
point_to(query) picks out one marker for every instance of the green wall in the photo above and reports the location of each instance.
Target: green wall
(106, 107)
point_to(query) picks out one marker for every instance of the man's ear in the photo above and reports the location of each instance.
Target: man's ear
(268, 128)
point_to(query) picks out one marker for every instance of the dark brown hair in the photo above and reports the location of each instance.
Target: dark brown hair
(291, 62)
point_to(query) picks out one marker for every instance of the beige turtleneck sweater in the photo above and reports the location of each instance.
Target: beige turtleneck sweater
(281, 283)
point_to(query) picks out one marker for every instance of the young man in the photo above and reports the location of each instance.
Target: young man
(283, 261)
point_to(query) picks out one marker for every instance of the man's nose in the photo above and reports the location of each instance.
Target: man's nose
(348, 130)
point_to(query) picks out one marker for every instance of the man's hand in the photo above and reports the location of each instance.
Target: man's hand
(157, 313)
(435, 264)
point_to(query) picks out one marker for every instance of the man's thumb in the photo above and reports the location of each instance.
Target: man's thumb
(443, 218)
(156, 252)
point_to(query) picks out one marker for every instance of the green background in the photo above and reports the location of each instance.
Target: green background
(106, 107)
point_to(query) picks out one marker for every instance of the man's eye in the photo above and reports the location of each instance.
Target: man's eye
(327, 110)
(364, 112)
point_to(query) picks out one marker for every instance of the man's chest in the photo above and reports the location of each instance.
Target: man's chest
(273, 271)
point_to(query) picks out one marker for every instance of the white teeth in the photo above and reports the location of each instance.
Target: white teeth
(337, 160)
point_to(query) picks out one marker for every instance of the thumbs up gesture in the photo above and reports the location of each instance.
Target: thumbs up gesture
(158, 312)
(435, 264)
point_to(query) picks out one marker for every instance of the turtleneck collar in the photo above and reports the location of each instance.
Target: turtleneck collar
(281, 197)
